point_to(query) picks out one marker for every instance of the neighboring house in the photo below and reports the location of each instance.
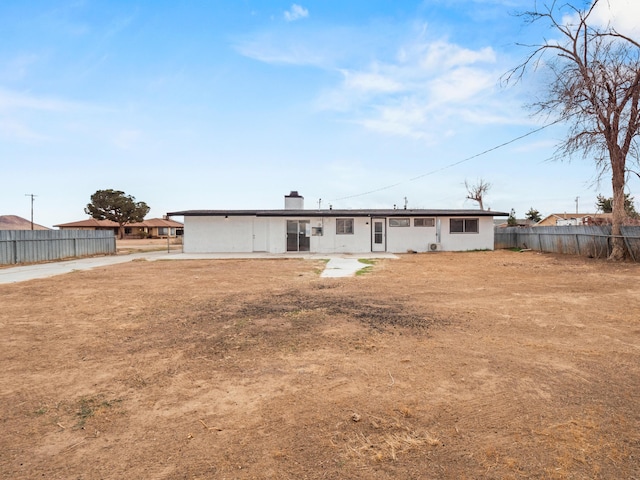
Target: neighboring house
(14, 222)
(295, 229)
(152, 228)
(90, 224)
(568, 219)
(520, 222)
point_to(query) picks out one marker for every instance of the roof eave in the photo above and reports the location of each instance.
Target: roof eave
(339, 213)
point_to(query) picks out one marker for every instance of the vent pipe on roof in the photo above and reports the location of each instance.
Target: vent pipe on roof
(294, 201)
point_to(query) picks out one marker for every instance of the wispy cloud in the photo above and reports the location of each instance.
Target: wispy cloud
(404, 118)
(268, 48)
(18, 67)
(16, 130)
(296, 12)
(425, 88)
(621, 14)
(23, 115)
(415, 85)
(370, 82)
(11, 100)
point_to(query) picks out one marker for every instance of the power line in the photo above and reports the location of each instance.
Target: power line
(387, 187)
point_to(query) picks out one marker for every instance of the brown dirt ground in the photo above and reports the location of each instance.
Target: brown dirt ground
(147, 244)
(482, 365)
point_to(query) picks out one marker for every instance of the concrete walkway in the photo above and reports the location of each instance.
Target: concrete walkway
(342, 267)
(339, 265)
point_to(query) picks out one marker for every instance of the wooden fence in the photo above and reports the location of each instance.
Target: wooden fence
(28, 246)
(589, 241)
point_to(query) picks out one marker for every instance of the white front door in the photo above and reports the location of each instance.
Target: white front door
(379, 235)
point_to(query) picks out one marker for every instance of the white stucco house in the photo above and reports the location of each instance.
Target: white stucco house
(296, 229)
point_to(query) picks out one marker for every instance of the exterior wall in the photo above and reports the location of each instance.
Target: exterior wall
(244, 234)
(416, 239)
(218, 234)
(276, 234)
(330, 242)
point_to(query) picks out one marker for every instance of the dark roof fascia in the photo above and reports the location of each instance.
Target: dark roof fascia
(340, 213)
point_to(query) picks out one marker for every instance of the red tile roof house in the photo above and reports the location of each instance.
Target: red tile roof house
(296, 229)
(152, 228)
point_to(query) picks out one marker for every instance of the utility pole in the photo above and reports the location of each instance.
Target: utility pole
(577, 198)
(32, 197)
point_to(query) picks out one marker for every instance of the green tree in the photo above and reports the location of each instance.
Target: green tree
(511, 221)
(594, 87)
(533, 215)
(116, 206)
(605, 205)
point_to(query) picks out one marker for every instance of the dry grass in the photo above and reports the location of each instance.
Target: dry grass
(484, 365)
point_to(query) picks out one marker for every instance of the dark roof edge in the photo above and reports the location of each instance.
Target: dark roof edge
(340, 213)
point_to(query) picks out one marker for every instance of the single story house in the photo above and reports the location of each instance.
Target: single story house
(90, 224)
(574, 219)
(295, 229)
(152, 228)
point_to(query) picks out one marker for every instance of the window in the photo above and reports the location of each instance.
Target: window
(344, 226)
(424, 222)
(463, 225)
(162, 230)
(399, 222)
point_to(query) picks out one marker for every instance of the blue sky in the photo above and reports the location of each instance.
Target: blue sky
(232, 104)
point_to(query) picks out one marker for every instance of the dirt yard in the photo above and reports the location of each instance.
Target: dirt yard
(147, 244)
(484, 365)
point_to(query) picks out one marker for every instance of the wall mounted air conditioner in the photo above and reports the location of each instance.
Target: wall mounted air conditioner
(435, 247)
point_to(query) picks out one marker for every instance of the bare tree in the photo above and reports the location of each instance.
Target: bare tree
(594, 88)
(477, 191)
